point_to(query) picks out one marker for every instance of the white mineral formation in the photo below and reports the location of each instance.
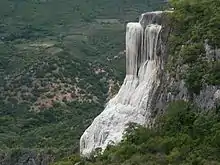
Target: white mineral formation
(132, 103)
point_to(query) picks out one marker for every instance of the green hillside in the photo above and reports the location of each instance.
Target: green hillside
(58, 59)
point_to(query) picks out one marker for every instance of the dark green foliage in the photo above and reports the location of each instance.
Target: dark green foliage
(47, 129)
(194, 22)
(183, 135)
(179, 113)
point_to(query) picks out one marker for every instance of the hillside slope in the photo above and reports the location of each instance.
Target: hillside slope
(59, 62)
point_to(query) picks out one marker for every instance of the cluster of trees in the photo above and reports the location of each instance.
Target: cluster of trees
(183, 135)
(58, 128)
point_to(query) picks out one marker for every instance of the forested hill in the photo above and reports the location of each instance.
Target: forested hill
(60, 61)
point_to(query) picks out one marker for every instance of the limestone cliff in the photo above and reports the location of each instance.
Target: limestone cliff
(145, 55)
(147, 87)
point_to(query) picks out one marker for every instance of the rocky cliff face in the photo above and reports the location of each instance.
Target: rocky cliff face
(145, 56)
(147, 87)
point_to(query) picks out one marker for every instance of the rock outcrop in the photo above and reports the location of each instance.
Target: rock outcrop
(145, 55)
(148, 87)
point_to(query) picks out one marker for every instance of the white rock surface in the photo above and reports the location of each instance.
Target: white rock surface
(132, 102)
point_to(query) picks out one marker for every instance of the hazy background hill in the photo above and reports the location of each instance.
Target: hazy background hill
(59, 62)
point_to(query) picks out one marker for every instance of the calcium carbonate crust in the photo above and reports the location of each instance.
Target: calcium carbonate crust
(145, 53)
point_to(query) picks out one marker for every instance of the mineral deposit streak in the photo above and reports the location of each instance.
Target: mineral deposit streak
(131, 104)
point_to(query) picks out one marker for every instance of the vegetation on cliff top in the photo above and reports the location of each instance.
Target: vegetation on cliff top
(195, 26)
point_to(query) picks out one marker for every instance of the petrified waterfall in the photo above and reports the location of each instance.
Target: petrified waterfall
(135, 99)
